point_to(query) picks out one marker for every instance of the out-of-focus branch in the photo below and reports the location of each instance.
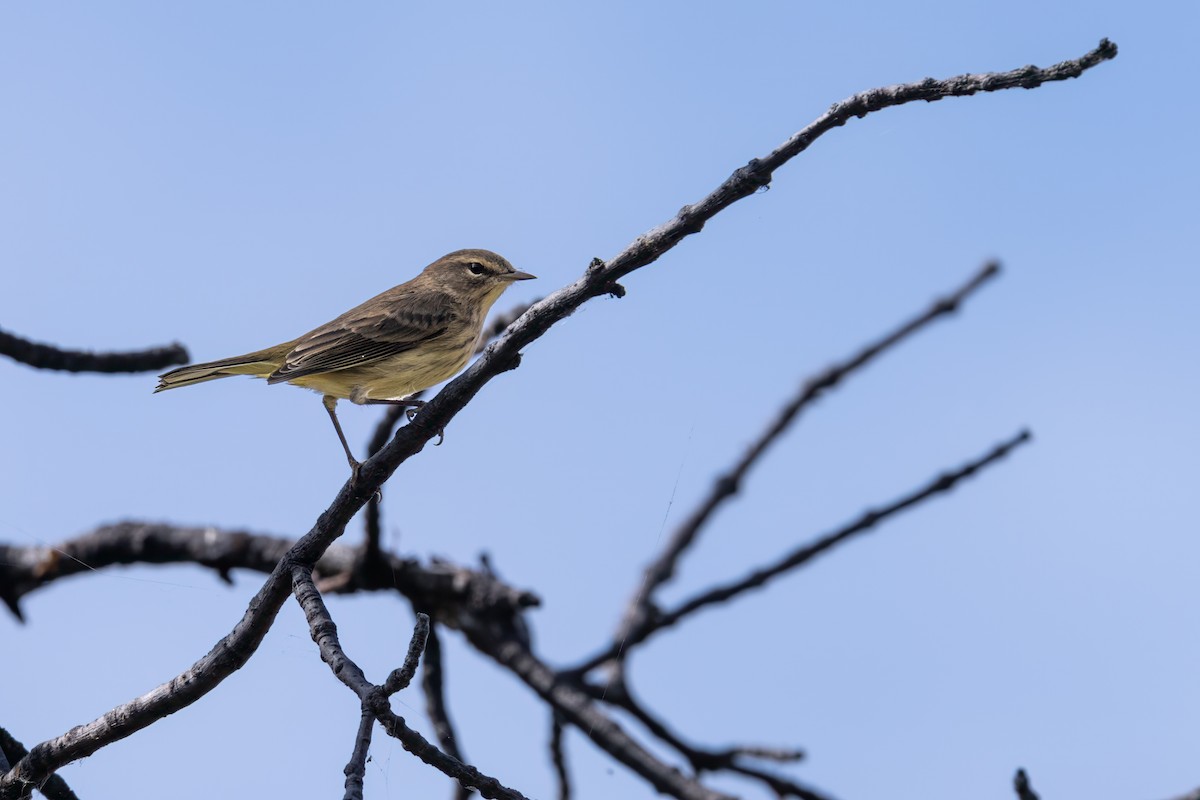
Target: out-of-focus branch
(662, 569)
(1194, 794)
(47, 356)
(1022, 786)
(433, 684)
(558, 756)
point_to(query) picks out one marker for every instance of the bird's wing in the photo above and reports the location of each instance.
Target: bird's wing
(371, 332)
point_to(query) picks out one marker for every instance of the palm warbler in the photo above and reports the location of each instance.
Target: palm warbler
(397, 343)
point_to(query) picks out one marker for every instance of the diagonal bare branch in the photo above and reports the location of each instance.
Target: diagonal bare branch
(601, 276)
(662, 569)
(867, 521)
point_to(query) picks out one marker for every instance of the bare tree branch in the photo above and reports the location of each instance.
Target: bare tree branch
(47, 356)
(227, 656)
(440, 586)
(571, 700)
(662, 569)
(866, 522)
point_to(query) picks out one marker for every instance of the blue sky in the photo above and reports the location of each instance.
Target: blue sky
(230, 176)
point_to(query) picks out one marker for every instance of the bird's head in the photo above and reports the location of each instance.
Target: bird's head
(476, 275)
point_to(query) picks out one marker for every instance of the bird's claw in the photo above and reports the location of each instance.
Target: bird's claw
(411, 412)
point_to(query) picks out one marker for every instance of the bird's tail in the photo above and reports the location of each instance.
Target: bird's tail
(260, 363)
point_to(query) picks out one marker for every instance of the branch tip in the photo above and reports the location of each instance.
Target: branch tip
(1022, 786)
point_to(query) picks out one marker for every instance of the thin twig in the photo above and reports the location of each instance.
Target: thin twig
(465, 774)
(356, 768)
(662, 569)
(558, 756)
(617, 692)
(864, 523)
(564, 694)
(47, 356)
(402, 676)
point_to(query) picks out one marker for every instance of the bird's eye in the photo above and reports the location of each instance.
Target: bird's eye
(476, 268)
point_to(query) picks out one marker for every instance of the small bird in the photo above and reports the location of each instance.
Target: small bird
(397, 343)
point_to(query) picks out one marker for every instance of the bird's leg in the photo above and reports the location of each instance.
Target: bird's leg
(410, 412)
(330, 403)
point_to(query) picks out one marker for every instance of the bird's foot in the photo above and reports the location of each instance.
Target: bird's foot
(413, 407)
(355, 469)
(411, 412)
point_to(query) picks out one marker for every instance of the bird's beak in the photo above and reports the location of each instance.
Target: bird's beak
(519, 276)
